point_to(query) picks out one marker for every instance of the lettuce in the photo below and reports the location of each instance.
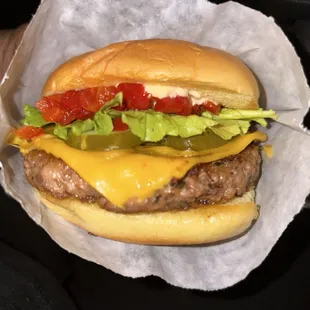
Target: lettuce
(236, 114)
(77, 127)
(102, 121)
(227, 129)
(232, 122)
(32, 117)
(153, 126)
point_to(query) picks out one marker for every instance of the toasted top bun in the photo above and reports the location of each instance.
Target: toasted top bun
(201, 225)
(218, 75)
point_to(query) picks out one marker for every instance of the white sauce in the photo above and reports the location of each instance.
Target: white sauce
(160, 91)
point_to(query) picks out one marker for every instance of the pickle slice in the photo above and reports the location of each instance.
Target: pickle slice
(94, 142)
(205, 141)
(49, 129)
(126, 139)
(115, 140)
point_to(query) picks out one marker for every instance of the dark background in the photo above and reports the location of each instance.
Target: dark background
(35, 273)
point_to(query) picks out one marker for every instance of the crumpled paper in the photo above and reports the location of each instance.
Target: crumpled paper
(61, 29)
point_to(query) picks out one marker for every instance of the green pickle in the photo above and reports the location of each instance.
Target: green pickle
(126, 139)
(115, 140)
(205, 141)
(48, 129)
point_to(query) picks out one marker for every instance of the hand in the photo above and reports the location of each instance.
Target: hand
(9, 41)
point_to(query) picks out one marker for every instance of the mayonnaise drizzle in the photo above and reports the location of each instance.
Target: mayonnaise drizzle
(161, 91)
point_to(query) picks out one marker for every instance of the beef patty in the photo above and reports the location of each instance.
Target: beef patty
(215, 182)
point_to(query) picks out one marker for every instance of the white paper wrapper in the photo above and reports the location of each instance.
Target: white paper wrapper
(62, 29)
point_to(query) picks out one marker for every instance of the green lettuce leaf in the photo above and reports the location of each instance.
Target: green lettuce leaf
(236, 114)
(260, 121)
(102, 120)
(61, 131)
(115, 102)
(192, 125)
(227, 129)
(77, 127)
(152, 126)
(103, 124)
(232, 122)
(32, 117)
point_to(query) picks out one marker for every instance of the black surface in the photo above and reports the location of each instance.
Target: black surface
(35, 269)
(26, 285)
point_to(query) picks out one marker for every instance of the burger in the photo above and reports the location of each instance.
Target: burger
(148, 142)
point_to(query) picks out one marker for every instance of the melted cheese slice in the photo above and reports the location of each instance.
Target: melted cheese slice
(138, 172)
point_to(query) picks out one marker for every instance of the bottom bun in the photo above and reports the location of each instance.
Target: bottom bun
(201, 225)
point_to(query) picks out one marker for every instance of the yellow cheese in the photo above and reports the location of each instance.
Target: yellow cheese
(138, 172)
(268, 150)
